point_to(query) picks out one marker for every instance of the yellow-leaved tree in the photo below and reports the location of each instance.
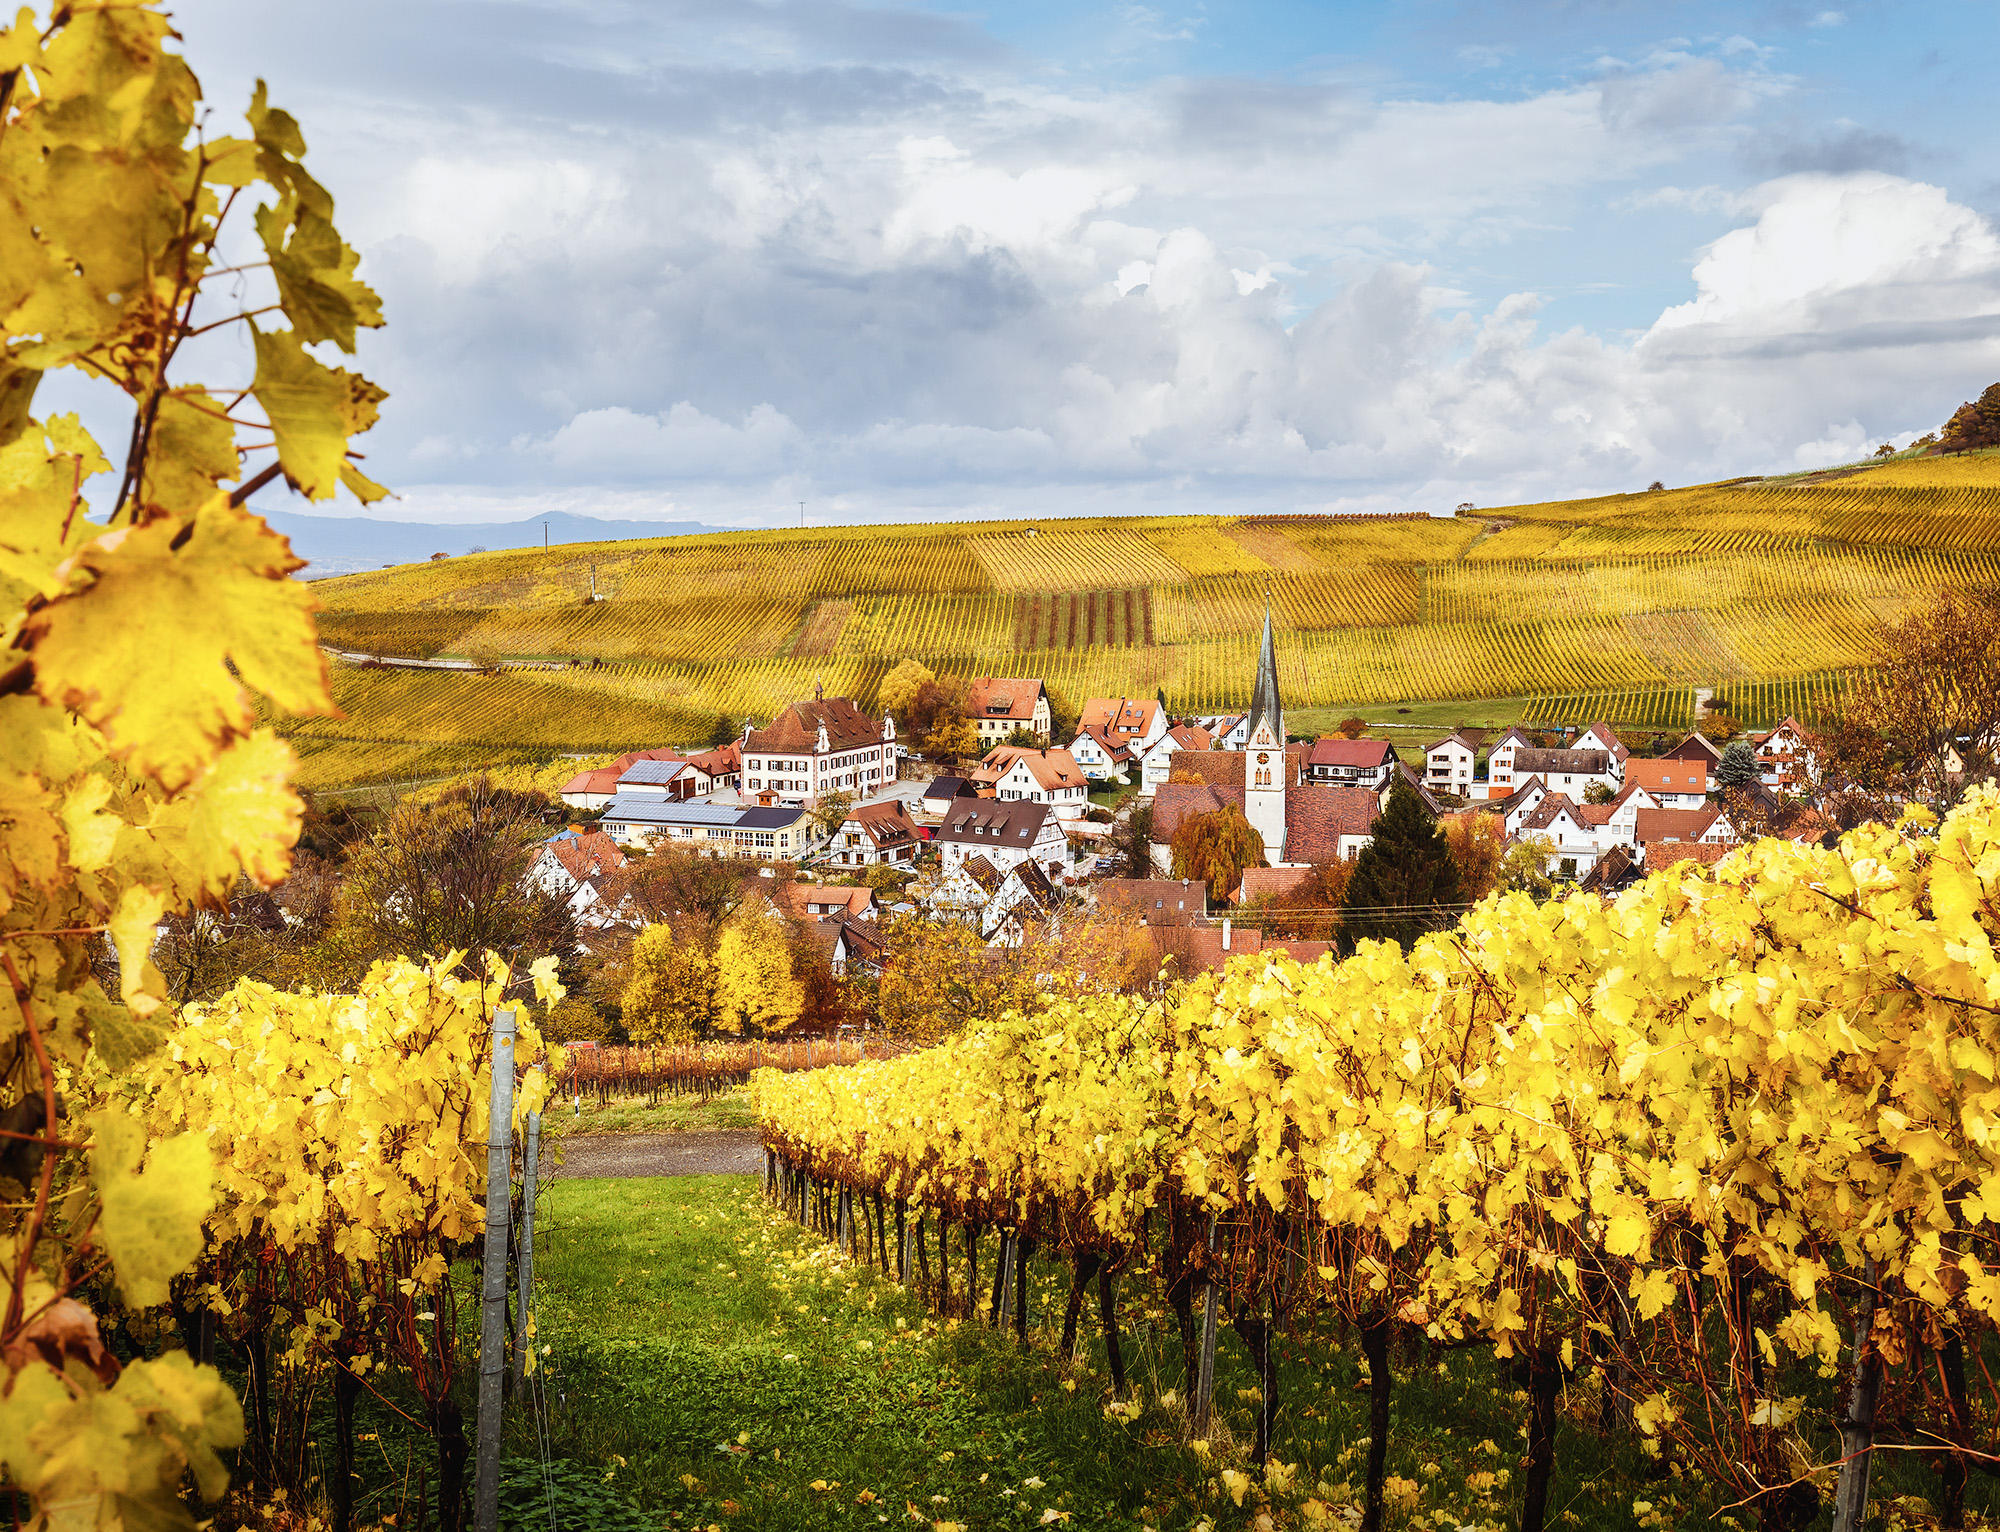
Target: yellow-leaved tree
(140, 628)
(670, 996)
(756, 989)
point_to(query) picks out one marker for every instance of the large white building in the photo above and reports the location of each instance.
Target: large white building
(819, 747)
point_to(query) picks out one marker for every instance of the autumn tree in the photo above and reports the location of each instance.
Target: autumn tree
(672, 883)
(830, 812)
(1215, 848)
(952, 737)
(1308, 911)
(1478, 844)
(450, 875)
(900, 687)
(1975, 424)
(670, 993)
(1934, 694)
(1405, 881)
(756, 990)
(1351, 728)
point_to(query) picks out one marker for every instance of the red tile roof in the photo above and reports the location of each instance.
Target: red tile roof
(592, 854)
(1665, 853)
(1318, 814)
(1011, 697)
(796, 728)
(1120, 717)
(1157, 901)
(1674, 824)
(1175, 801)
(1052, 767)
(1366, 754)
(887, 823)
(1668, 775)
(1270, 882)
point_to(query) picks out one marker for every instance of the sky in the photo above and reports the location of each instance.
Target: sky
(707, 259)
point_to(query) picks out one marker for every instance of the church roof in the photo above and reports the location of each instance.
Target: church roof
(1265, 704)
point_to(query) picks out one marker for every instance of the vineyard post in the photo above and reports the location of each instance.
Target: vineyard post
(524, 1334)
(493, 1274)
(1204, 1386)
(844, 1221)
(1857, 1430)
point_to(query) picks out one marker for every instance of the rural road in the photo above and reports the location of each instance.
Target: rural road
(703, 1152)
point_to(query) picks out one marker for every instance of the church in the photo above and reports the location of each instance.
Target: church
(1301, 822)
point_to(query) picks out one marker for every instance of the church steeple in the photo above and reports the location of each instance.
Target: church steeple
(1264, 770)
(1265, 704)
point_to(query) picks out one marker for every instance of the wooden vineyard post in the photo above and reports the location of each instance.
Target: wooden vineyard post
(493, 1275)
(902, 1241)
(1204, 1383)
(1003, 1269)
(844, 1222)
(1024, 1250)
(1107, 1314)
(524, 1341)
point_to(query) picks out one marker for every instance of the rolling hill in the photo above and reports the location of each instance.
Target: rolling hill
(1620, 606)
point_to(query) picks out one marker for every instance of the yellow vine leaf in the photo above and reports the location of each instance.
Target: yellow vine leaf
(313, 409)
(244, 815)
(211, 581)
(151, 1224)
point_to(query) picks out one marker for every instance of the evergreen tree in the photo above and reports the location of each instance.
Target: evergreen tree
(1738, 766)
(1406, 882)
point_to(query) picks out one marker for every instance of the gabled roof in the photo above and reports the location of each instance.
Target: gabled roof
(1052, 767)
(1318, 814)
(1365, 754)
(947, 788)
(1608, 871)
(1461, 736)
(826, 898)
(993, 822)
(1674, 824)
(1549, 810)
(1126, 716)
(1695, 745)
(982, 872)
(656, 773)
(886, 823)
(796, 728)
(721, 761)
(1270, 882)
(1528, 761)
(1011, 697)
(587, 854)
(1157, 901)
(1031, 877)
(1111, 743)
(1669, 775)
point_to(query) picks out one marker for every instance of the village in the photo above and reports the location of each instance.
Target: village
(852, 826)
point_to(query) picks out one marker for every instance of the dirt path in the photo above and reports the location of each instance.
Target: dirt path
(703, 1152)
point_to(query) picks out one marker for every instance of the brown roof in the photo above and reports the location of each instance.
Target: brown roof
(1544, 813)
(592, 854)
(1199, 948)
(887, 823)
(1364, 753)
(1669, 774)
(1113, 742)
(1607, 870)
(1665, 853)
(1191, 736)
(1175, 801)
(1318, 814)
(1051, 766)
(994, 822)
(1696, 746)
(796, 728)
(1529, 761)
(1270, 882)
(603, 779)
(1002, 697)
(1157, 901)
(720, 761)
(1674, 824)
(982, 872)
(824, 898)
(1120, 717)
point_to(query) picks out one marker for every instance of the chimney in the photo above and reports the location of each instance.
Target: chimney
(1225, 933)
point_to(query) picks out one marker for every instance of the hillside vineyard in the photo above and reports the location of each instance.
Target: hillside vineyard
(1617, 607)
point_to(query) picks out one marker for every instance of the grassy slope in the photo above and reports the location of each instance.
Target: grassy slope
(1616, 606)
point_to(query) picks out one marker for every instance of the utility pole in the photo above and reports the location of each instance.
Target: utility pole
(545, 537)
(802, 515)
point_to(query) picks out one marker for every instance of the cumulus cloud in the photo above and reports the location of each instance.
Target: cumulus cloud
(746, 254)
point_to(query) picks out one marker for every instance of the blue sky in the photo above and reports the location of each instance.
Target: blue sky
(660, 258)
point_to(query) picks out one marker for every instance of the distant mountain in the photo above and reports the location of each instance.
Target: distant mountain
(337, 545)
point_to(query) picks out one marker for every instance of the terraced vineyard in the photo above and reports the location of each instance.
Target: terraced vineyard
(1619, 606)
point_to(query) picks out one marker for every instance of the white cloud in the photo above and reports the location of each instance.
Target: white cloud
(682, 442)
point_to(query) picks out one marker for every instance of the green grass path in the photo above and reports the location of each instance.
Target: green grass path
(727, 1369)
